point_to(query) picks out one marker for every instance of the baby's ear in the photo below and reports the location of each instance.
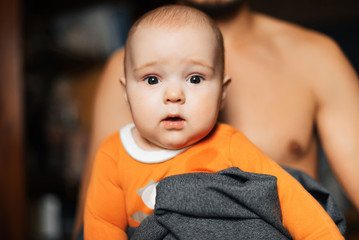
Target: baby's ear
(123, 84)
(123, 81)
(226, 81)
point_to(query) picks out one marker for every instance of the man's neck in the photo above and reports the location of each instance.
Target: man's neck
(238, 26)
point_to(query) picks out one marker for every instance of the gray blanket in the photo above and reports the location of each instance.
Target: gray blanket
(230, 204)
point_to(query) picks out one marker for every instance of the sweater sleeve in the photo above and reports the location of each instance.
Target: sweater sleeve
(302, 215)
(105, 215)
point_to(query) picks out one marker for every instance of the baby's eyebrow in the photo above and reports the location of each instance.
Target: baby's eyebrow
(149, 64)
(196, 62)
(191, 61)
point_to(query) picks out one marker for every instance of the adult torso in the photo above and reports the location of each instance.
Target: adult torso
(270, 98)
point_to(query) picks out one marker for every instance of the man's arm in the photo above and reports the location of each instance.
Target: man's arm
(110, 114)
(336, 88)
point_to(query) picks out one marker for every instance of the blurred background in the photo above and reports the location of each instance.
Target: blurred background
(51, 57)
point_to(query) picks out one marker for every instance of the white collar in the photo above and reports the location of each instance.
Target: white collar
(141, 155)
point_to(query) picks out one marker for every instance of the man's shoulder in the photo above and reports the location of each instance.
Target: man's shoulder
(298, 39)
(311, 54)
(117, 59)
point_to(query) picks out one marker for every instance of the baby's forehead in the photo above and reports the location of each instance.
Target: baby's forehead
(185, 46)
(148, 31)
(175, 23)
(164, 38)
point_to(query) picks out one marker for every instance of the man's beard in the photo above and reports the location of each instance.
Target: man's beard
(218, 10)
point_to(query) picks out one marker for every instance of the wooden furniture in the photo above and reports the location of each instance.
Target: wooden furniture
(12, 190)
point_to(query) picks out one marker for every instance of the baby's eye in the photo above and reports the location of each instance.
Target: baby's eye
(152, 80)
(195, 79)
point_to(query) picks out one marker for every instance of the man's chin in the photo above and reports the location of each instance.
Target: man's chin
(216, 9)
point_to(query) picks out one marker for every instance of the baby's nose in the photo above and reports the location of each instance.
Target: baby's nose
(174, 94)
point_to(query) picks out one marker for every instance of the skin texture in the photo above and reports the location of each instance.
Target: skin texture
(290, 87)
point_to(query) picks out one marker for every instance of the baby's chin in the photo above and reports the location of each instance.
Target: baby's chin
(173, 145)
(176, 140)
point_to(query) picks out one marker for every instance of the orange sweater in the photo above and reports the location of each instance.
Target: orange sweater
(120, 194)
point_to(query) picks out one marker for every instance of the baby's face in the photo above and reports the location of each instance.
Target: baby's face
(173, 85)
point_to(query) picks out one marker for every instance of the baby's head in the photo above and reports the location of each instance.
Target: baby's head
(174, 77)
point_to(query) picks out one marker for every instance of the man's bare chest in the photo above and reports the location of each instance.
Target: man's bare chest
(275, 109)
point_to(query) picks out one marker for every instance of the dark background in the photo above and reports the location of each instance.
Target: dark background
(60, 54)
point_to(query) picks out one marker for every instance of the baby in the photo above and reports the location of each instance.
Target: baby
(175, 86)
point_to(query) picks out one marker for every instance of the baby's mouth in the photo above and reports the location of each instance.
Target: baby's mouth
(173, 122)
(173, 119)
